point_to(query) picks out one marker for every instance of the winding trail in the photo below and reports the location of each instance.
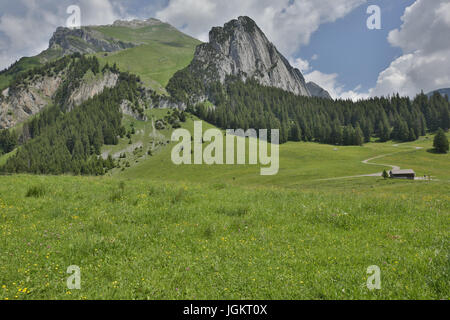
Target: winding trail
(367, 161)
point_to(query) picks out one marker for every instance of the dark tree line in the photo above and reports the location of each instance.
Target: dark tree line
(8, 141)
(341, 122)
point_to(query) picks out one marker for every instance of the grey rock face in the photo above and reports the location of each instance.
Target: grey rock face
(88, 90)
(241, 49)
(85, 40)
(317, 91)
(18, 105)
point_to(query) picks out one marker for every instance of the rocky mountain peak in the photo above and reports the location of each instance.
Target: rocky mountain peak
(85, 40)
(240, 48)
(317, 91)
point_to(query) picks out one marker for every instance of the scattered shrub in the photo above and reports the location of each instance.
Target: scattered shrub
(36, 192)
(238, 211)
(179, 196)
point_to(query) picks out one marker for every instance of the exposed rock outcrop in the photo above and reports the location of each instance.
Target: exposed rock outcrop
(24, 101)
(18, 105)
(91, 88)
(85, 40)
(316, 91)
(127, 109)
(241, 49)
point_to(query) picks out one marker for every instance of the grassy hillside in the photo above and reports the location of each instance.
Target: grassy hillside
(164, 51)
(21, 66)
(299, 164)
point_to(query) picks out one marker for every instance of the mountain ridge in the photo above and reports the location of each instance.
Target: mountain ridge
(442, 91)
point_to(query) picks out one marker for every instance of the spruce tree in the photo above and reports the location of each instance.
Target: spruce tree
(441, 144)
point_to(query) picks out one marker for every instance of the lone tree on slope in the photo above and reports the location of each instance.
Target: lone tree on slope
(441, 142)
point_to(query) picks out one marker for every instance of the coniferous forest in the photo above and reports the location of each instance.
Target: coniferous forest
(60, 141)
(248, 104)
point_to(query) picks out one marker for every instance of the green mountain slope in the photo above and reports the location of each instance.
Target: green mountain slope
(163, 51)
(23, 65)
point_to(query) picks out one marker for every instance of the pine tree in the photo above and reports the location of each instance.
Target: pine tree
(359, 137)
(441, 144)
(296, 133)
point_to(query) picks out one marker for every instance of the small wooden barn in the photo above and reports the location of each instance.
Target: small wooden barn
(403, 174)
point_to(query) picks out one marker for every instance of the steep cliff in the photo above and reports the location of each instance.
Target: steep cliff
(85, 40)
(29, 99)
(19, 104)
(241, 49)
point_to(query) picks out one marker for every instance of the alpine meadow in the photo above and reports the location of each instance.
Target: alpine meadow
(88, 132)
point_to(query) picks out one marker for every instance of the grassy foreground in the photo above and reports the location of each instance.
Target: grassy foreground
(154, 230)
(151, 240)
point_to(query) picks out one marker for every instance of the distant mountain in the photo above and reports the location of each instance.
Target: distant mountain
(443, 92)
(151, 49)
(316, 91)
(241, 49)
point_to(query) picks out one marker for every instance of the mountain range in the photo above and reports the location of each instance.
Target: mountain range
(154, 51)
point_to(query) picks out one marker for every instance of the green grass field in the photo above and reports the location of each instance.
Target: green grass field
(163, 51)
(159, 231)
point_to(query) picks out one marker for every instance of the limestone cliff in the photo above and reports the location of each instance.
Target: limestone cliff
(241, 49)
(85, 40)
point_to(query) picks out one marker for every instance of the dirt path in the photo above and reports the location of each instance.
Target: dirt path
(367, 161)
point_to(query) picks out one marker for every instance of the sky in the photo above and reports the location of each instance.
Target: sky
(329, 41)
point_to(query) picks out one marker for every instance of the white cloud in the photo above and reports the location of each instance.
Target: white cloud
(289, 24)
(330, 83)
(424, 40)
(27, 25)
(300, 64)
